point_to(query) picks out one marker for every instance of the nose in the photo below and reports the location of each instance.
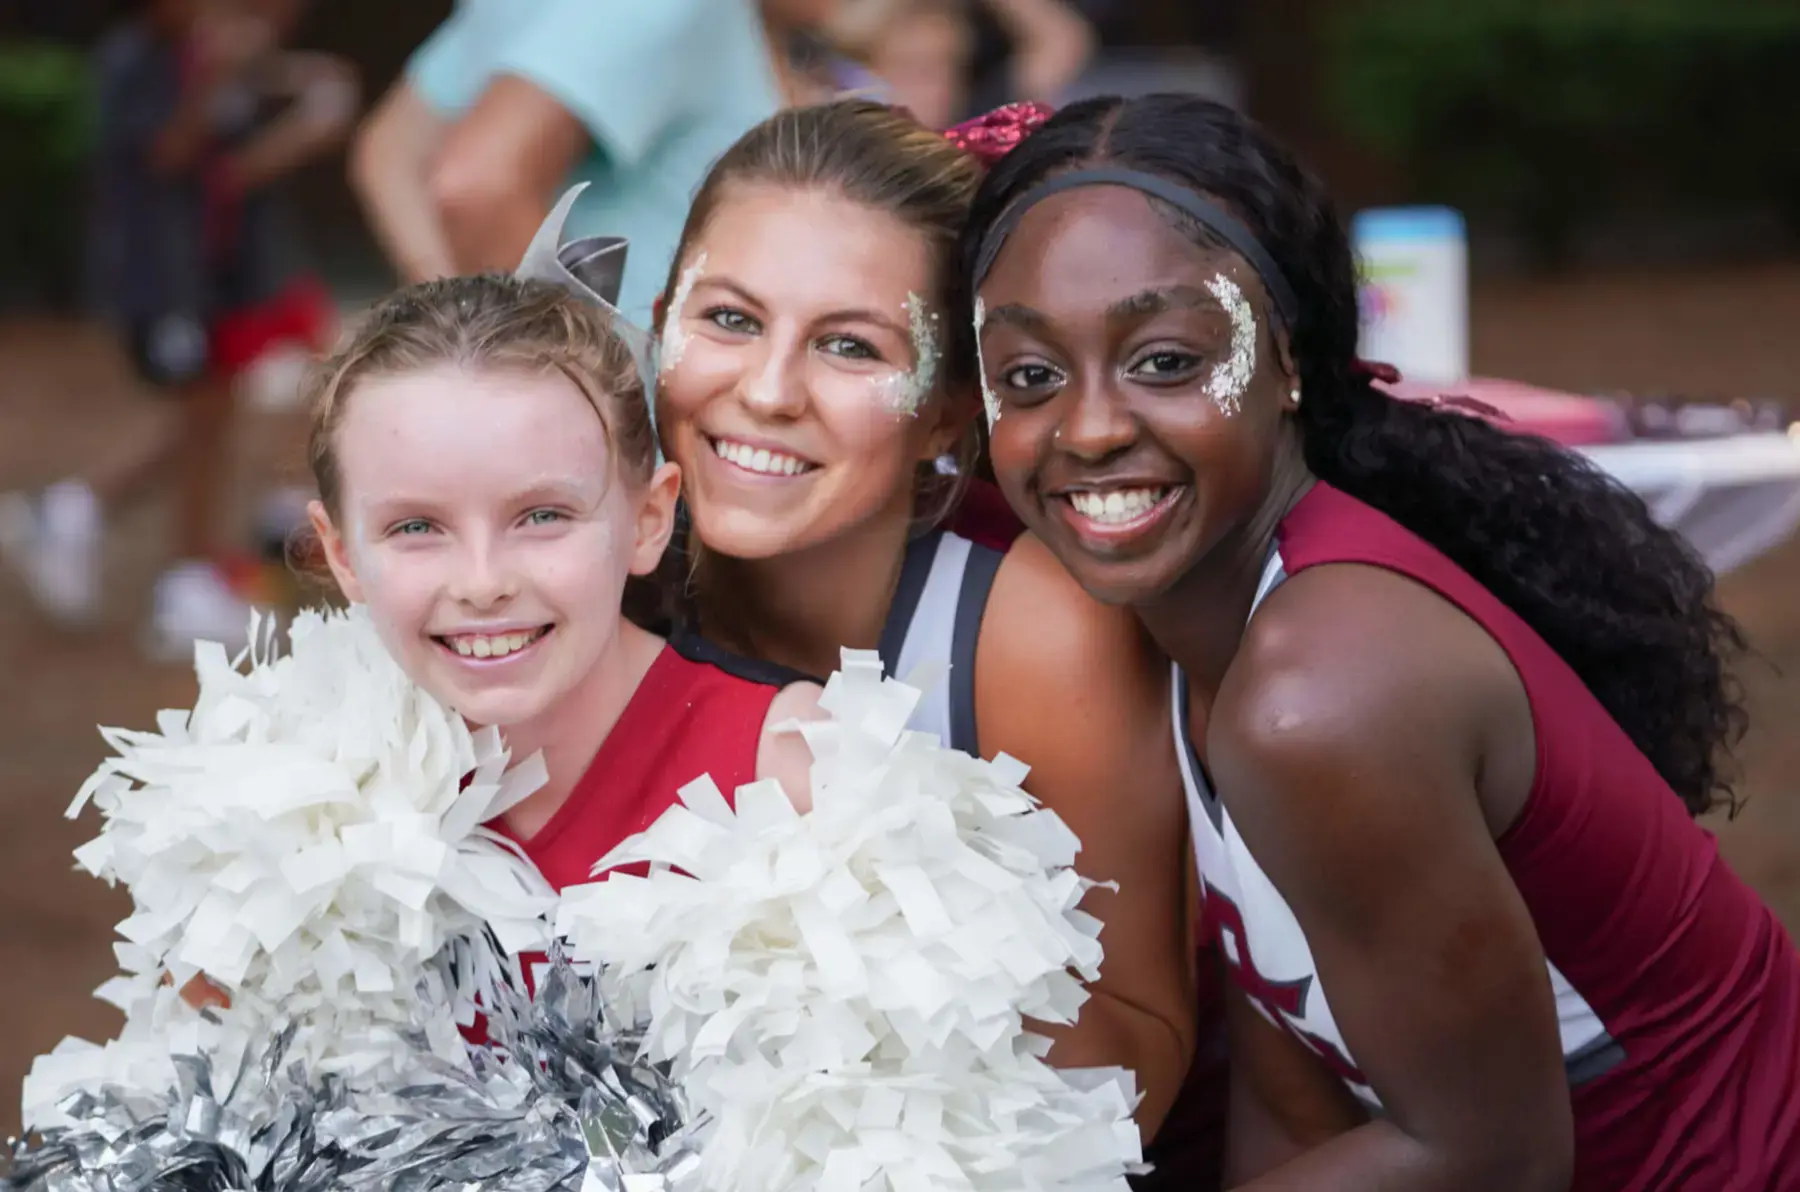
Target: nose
(770, 385)
(1098, 424)
(483, 577)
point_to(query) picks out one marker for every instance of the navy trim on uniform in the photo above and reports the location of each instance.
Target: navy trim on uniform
(1203, 785)
(971, 603)
(691, 646)
(915, 569)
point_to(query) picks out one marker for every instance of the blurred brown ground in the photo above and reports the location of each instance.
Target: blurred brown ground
(64, 403)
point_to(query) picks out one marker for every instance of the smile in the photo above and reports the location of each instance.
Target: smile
(492, 645)
(1116, 515)
(760, 460)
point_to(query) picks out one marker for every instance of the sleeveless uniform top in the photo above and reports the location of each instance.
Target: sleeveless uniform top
(935, 622)
(699, 710)
(1677, 991)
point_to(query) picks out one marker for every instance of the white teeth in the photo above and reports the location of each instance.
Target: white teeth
(495, 646)
(758, 459)
(1118, 506)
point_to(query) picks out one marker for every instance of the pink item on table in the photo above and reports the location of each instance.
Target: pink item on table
(1563, 418)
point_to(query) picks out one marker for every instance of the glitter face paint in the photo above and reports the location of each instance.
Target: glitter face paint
(906, 391)
(674, 336)
(989, 400)
(1231, 378)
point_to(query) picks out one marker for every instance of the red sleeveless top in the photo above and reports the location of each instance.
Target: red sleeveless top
(1691, 975)
(698, 710)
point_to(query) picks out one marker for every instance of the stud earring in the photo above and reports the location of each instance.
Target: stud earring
(1294, 395)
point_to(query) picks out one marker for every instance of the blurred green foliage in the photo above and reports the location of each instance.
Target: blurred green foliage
(46, 130)
(1550, 111)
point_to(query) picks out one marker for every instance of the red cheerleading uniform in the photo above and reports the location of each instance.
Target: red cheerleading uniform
(1678, 992)
(699, 710)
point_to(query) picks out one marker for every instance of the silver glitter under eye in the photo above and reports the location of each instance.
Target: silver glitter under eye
(906, 391)
(1231, 378)
(674, 336)
(988, 398)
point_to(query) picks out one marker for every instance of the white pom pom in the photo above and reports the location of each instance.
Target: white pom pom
(305, 838)
(845, 992)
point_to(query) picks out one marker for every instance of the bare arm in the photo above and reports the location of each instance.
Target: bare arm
(499, 169)
(1349, 762)
(390, 164)
(1075, 690)
(1283, 1103)
(326, 96)
(1052, 43)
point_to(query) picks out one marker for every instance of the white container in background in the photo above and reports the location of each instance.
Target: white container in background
(1413, 292)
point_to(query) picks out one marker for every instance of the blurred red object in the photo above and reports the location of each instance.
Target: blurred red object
(1564, 418)
(302, 315)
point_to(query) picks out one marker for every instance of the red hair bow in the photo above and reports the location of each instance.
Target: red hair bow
(993, 136)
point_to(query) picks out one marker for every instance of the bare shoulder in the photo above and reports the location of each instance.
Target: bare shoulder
(783, 755)
(1349, 669)
(1042, 628)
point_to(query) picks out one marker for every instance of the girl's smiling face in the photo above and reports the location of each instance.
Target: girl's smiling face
(800, 396)
(483, 521)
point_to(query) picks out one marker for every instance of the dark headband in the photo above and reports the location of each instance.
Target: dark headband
(1208, 214)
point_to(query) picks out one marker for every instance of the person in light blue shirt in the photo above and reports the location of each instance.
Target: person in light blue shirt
(511, 101)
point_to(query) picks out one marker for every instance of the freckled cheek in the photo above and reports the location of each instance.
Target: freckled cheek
(583, 574)
(401, 593)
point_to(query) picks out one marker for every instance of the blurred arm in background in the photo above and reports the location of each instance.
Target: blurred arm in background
(390, 164)
(462, 160)
(325, 97)
(1052, 43)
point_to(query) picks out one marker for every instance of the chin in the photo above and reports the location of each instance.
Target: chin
(742, 535)
(501, 711)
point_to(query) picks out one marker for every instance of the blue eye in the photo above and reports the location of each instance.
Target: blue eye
(730, 319)
(417, 525)
(849, 347)
(544, 517)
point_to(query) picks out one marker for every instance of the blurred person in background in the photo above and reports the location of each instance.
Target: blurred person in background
(930, 56)
(505, 105)
(201, 115)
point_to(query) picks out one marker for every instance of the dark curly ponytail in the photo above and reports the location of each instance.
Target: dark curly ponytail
(1625, 602)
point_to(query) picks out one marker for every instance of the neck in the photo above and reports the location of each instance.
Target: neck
(570, 732)
(1199, 621)
(801, 609)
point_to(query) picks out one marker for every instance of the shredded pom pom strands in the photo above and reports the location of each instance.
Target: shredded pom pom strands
(566, 1101)
(307, 837)
(844, 994)
(218, 1128)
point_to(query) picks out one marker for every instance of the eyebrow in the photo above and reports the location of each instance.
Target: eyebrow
(1141, 305)
(1014, 315)
(848, 315)
(569, 489)
(1146, 303)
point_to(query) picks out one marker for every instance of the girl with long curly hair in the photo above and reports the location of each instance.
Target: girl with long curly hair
(1447, 698)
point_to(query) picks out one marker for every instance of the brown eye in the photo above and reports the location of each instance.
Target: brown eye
(1166, 366)
(1029, 376)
